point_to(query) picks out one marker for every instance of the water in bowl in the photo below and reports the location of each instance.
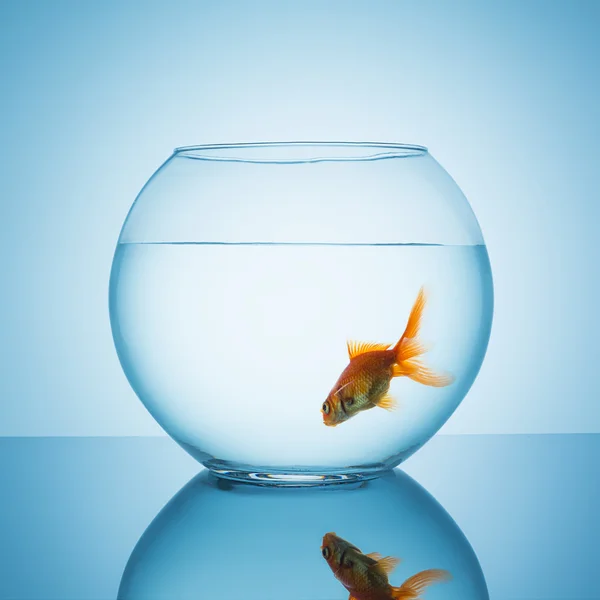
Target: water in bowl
(234, 347)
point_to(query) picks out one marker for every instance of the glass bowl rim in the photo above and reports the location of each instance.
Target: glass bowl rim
(347, 151)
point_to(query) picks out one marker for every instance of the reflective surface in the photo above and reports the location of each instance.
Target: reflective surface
(222, 540)
(73, 509)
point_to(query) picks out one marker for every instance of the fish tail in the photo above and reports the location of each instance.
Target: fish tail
(414, 586)
(409, 348)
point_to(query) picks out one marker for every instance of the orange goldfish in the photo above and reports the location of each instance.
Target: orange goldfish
(365, 382)
(365, 576)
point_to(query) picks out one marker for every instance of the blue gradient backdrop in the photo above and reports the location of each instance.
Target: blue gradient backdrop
(95, 95)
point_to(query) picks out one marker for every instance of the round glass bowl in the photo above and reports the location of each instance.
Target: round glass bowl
(249, 278)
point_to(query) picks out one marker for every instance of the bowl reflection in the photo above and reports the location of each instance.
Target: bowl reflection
(221, 539)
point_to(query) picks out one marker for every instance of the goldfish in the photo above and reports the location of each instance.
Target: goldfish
(365, 576)
(365, 382)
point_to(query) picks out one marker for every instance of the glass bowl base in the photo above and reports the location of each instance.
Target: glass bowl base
(293, 477)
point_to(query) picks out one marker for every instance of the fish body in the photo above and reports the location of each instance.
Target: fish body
(365, 382)
(365, 576)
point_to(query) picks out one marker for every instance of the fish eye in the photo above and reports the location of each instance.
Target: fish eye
(326, 407)
(326, 552)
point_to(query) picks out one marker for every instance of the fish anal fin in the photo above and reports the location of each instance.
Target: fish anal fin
(399, 371)
(387, 565)
(357, 348)
(411, 347)
(414, 585)
(388, 402)
(421, 374)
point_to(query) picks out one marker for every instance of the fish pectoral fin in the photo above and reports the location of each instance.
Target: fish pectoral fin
(386, 565)
(375, 555)
(352, 597)
(388, 402)
(356, 348)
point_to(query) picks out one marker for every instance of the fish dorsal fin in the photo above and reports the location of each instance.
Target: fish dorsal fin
(356, 348)
(375, 556)
(386, 565)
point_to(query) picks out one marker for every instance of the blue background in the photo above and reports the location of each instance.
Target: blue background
(95, 95)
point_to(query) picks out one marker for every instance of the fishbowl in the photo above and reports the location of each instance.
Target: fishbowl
(301, 312)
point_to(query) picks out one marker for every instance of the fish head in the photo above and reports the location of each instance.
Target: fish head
(328, 546)
(339, 406)
(332, 549)
(332, 416)
(341, 556)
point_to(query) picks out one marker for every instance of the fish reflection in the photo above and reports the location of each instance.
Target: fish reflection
(365, 576)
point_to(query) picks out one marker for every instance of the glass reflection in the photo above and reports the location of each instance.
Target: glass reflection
(221, 539)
